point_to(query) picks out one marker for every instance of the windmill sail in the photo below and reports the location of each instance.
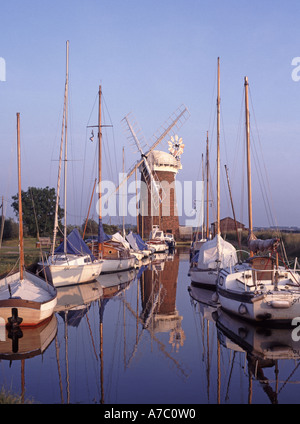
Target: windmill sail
(173, 123)
(134, 134)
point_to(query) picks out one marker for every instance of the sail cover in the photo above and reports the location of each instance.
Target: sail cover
(117, 237)
(102, 236)
(258, 245)
(136, 242)
(140, 242)
(215, 250)
(75, 245)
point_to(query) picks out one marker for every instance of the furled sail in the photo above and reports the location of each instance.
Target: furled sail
(258, 245)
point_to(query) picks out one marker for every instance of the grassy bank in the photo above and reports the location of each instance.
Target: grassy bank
(9, 254)
(8, 398)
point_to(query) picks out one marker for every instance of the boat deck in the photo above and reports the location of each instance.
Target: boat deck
(25, 290)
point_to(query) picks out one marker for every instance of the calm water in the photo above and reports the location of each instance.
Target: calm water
(147, 341)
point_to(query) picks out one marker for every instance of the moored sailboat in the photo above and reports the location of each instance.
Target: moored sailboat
(138, 244)
(217, 253)
(72, 262)
(259, 290)
(113, 255)
(25, 299)
(157, 240)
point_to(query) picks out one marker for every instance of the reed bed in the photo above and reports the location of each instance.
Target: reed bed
(291, 241)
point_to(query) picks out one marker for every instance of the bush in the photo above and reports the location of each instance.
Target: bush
(10, 230)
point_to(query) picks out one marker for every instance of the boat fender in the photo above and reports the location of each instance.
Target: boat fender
(14, 320)
(280, 304)
(242, 309)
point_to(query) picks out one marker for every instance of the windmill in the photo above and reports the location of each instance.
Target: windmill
(175, 121)
(135, 136)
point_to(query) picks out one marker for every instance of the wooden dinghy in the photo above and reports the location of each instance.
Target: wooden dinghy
(26, 302)
(25, 299)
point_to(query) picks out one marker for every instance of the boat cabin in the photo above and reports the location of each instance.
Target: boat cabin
(264, 267)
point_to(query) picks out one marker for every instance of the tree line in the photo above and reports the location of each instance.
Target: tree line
(38, 206)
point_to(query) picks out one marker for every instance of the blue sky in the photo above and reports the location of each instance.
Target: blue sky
(150, 56)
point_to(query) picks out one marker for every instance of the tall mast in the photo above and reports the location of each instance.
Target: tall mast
(99, 169)
(66, 151)
(248, 158)
(207, 188)
(20, 201)
(60, 160)
(218, 151)
(202, 204)
(123, 197)
(137, 204)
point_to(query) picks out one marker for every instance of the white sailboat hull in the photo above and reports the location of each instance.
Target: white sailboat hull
(33, 298)
(157, 246)
(116, 278)
(118, 264)
(239, 295)
(273, 307)
(74, 270)
(205, 277)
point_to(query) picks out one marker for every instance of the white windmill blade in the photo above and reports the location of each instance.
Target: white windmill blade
(133, 132)
(154, 185)
(173, 123)
(134, 135)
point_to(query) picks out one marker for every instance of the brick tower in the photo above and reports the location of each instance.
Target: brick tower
(164, 167)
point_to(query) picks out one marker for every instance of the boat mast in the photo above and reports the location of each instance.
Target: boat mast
(59, 166)
(99, 170)
(218, 151)
(65, 162)
(202, 203)
(20, 201)
(207, 188)
(248, 160)
(123, 200)
(232, 207)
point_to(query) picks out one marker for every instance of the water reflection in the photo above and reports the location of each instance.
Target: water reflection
(27, 342)
(158, 299)
(264, 349)
(18, 345)
(268, 356)
(146, 336)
